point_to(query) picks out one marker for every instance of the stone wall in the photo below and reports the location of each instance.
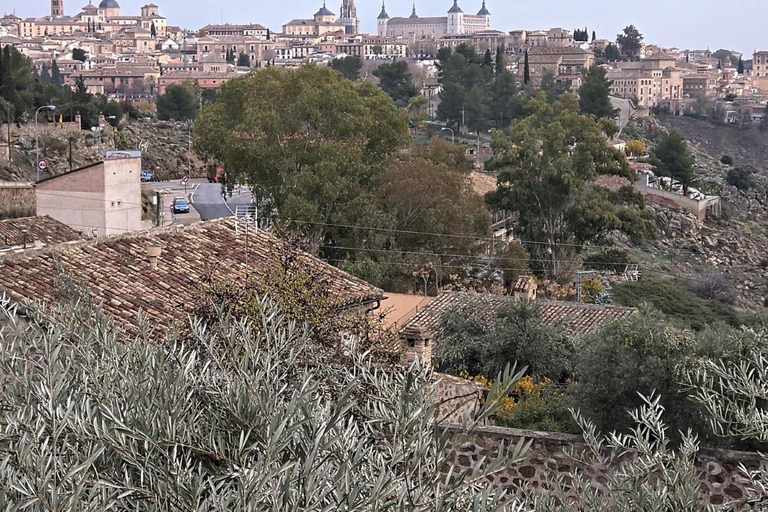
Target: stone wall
(721, 480)
(16, 199)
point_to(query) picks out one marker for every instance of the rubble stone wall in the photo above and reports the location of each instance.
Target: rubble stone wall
(721, 479)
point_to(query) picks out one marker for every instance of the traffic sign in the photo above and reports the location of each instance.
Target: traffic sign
(42, 164)
(185, 179)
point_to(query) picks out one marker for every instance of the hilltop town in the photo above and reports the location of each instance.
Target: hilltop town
(440, 267)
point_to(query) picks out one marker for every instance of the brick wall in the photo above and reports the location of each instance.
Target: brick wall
(721, 480)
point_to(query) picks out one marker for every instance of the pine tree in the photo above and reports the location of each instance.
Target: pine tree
(153, 30)
(526, 70)
(594, 36)
(740, 68)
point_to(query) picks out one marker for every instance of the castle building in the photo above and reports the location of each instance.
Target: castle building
(455, 22)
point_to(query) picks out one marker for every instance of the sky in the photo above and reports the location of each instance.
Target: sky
(687, 24)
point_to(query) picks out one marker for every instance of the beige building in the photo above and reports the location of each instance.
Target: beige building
(417, 27)
(323, 22)
(566, 64)
(100, 199)
(760, 71)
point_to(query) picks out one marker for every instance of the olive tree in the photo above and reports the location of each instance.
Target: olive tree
(236, 415)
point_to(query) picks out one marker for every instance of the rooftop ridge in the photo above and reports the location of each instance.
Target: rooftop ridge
(90, 242)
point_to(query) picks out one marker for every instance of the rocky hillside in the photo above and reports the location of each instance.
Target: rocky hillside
(164, 144)
(735, 245)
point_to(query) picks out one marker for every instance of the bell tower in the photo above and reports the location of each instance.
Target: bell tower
(57, 8)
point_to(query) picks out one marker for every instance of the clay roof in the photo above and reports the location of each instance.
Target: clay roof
(117, 271)
(40, 231)
(576, 317)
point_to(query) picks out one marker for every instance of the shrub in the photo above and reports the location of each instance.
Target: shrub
(610, 259)
(515, 334)
(675, 300)
(712, 286)
(741, 177)
(642, 354)
(235, 415)
(726, 159)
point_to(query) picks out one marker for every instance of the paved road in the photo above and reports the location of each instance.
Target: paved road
(206, 198)
(625, 110)
(210, 203)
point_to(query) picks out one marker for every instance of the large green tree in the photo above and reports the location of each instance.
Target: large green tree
(672, 158)
(178, 102)
(547, 166)
(630, 42)
(594, 93)
(397, 81)
(349, 66)
(307, 142)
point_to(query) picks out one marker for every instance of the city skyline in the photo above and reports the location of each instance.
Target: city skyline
(690, 24)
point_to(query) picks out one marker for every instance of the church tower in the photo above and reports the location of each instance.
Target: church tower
(57, 8)
(382, 21)
(348, 17)
(455, 19)
(486, 14)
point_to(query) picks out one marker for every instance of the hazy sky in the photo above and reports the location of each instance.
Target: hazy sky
(694, 24)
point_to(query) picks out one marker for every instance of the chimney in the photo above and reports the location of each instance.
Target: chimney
(153, 251)
(525, 288)
(414, 344)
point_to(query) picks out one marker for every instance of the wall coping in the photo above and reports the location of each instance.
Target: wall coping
(558, 438)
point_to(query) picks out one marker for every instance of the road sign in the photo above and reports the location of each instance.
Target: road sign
(185, 179)
(42, 164)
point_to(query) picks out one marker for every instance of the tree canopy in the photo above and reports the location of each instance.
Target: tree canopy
(594, 92)
(179, 102)
(630, 42)
(547, 166)
(397, 81)
(349, 66)
(672, 158)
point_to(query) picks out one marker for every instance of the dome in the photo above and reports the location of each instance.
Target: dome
(109, 4)
(324, 11)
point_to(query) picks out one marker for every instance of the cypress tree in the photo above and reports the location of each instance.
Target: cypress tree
(55, 74)
(526, 70)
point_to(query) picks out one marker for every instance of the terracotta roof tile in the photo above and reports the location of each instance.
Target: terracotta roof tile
(40, 231)
(576, 317)
(117, 270)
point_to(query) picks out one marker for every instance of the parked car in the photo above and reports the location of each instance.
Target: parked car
(146, 175)
(180, 205)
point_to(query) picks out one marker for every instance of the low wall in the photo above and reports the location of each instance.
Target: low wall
(721, 480)
(701, 209)
(16, 199)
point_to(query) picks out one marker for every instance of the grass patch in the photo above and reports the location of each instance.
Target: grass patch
(674, 299)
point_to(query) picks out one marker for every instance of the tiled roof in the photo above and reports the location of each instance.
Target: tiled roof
(40, 231)
(117, 271)
(576, 317)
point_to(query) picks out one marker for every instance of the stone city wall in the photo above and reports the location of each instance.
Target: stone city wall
(721, 480)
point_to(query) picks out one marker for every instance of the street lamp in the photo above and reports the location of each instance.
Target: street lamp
(37, 144)
(189, 148)
(453, 135)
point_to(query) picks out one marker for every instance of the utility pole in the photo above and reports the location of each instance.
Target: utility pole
(158, 222)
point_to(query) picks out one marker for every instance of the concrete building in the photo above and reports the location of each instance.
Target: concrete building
(99, 199)
(565, 63)
(416, 27)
